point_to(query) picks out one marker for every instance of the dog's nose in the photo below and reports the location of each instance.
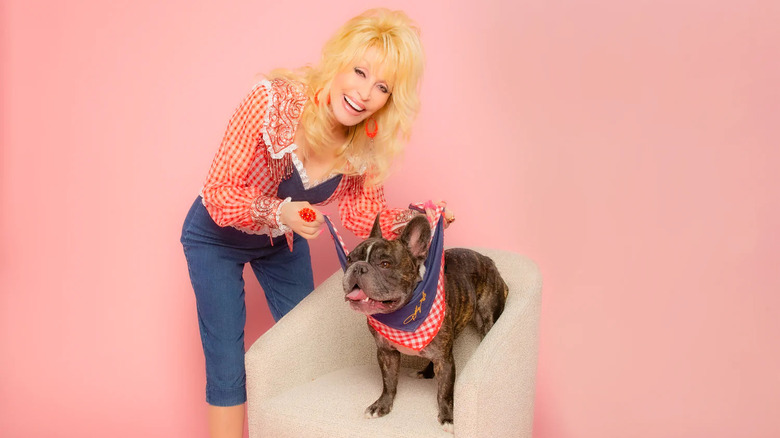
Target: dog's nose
(362, 269)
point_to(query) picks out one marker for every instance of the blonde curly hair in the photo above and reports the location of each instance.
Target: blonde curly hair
(397, 41)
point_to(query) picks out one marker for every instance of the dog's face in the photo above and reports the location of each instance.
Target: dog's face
(381, 274)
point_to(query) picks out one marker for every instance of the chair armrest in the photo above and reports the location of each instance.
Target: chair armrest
(320, 335)
(494, 392)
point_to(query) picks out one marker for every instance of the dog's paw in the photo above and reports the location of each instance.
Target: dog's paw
(448, 427)
(377, 410)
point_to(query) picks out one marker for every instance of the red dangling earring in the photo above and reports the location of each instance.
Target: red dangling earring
(316, 95)
(375, 131)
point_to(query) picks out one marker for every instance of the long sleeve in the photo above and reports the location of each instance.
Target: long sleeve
(234, 192)
(359, 208)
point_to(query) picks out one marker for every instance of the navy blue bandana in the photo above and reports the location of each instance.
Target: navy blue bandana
(409, 317)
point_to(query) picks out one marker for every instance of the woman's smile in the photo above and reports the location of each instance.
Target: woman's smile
(353, 105)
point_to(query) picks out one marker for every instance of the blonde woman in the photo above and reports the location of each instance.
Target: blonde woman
(299, 139)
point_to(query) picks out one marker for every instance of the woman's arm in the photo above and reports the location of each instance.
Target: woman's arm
(358, 210)
(227, 195)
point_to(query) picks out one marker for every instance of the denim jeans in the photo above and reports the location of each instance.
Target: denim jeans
(216, 257)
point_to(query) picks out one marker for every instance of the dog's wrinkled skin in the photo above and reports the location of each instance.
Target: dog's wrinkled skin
(381, 276)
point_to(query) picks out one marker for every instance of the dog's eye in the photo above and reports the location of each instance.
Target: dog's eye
(385, 264)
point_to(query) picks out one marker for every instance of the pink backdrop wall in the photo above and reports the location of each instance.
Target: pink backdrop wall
(630, 148)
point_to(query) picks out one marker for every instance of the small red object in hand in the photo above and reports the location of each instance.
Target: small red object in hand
(307, 214)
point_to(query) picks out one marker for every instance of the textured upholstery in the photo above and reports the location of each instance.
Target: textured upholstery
(315, 371)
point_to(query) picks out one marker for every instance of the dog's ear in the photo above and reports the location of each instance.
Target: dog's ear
(376, 231)
(417, 236)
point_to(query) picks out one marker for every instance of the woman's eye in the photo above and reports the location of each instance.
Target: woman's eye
(383, 88)
(360, 72)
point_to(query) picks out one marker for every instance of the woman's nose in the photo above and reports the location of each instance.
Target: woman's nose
(364, 91)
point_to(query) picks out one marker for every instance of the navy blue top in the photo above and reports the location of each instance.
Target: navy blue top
(293, 188)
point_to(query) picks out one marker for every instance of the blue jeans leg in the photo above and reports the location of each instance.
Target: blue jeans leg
(216, 257)
(286, 277)
(219, 291)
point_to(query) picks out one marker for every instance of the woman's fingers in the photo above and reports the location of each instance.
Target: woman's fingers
(430, 211)
(308, 235)
(310, 230)
(303, 219)
(449, 216)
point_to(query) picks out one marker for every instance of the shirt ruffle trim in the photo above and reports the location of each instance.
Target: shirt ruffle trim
(307, 184)
(301, 171)
(287, 99)
(273, 232)
(265, 229)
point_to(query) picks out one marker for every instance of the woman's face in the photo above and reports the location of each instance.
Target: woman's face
(359, 91)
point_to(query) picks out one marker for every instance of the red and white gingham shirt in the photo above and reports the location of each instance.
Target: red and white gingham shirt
(254, 157)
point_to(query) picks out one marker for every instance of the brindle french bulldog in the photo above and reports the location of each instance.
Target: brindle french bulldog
(381, 276)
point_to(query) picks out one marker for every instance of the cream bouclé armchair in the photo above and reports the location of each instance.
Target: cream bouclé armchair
(315, 372)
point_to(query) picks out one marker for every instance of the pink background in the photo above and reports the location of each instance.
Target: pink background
(630, 148)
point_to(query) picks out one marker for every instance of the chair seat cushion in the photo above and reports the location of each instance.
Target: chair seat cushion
(332, 406)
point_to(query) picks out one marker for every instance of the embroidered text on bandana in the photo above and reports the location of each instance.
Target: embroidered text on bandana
(414, 325)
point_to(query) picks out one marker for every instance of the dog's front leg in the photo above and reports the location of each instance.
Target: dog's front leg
(389, 363)
(444, 370)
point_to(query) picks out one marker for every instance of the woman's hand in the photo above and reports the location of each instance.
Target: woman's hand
(290, 216)
(449, 216)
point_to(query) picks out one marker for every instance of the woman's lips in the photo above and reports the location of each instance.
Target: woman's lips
(352, 107)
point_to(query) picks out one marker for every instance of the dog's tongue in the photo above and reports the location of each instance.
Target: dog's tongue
(356, 295)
